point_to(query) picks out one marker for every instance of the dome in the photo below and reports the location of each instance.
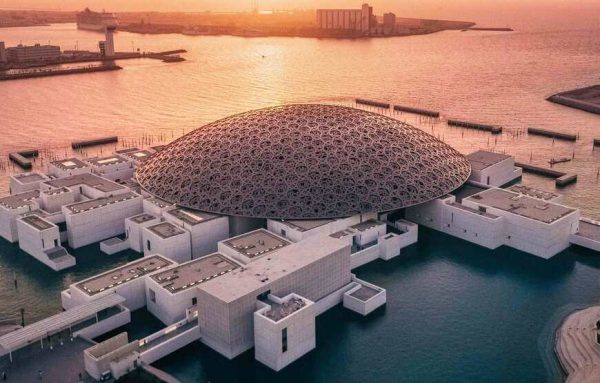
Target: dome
(303, 162)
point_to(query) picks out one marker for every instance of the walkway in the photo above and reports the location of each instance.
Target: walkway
(577, 347)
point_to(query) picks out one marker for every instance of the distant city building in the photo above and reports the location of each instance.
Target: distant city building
(37, 52)
(107, 47)
(358, 20)
(389, 23)
(3, 57)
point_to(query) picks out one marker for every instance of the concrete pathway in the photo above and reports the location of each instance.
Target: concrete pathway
(577, 346)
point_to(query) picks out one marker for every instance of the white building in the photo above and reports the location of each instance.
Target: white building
(134, 229)
(359, 20)
(205, 229)
(493, 169)
(127, 281)
(11, 208)
(496, 217)
(68, 167)
(114, 168)
(101, 218)
(156, 206)
(172, 292)
(41, 239)
(169, 240)
(24, 182)
(23, 53)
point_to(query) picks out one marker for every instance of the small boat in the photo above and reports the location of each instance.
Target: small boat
(559, 160)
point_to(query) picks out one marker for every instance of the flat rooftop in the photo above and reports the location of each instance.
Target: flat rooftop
(474, 211)
(88, 179)
(306, 225)
(194, 272)
(141, 218)
(105, 161)
(136, 154)
(159, 202)
(19, 200)
(522, 205)
(256, 243)
(166, 230)
(56, 191)
(70, 164)
(483, 159)
(37, 222)
(266, 270)
(366, 225)
(27, 178)
(285, 309)
(341, 233)
(97, 203)
(589, 230)
(123, 274)
(533, 192)
(191, 217)
(365, 293)
(466, 191)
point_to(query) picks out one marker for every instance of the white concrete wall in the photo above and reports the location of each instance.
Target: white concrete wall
(16, 186)
(101, 223)
(36, 242)
(204, 236)
(301, 339)
(370, 235)
(177, 248)
(133, 292)
(498, 174)
(53, 203)
(153, 209)
(474, 227)
(169, 308)
(134, 232)
(368, 306)
(8, 221)
(364, 256)
(429, 214)
(119, 172)
(584, 242)
(60, 173)
(106, 325)
(171, 345)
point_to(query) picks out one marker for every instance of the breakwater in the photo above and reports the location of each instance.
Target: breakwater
(561, 179)
(94, 142)
(585, 99)
(378, 104)
(22, 158)
(56, 72)
(552, 134)
(423, 112)
(494, 129)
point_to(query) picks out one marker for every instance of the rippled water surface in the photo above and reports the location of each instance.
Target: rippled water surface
(455, 312)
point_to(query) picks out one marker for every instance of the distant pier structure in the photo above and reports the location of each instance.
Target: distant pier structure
(107, 47)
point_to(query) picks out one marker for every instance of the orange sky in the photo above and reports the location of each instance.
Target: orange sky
(484, 11)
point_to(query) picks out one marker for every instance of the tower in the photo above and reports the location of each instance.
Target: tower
(109, 43)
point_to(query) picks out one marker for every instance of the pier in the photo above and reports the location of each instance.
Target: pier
(577, 345)
(423, 112)
(552, 134)
(94, 142)
(494, 129)
(561, 179)
(35, 73)
(22, 158)
(586, 99)
(378, 104)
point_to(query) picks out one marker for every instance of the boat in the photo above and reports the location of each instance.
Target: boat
(95, 21)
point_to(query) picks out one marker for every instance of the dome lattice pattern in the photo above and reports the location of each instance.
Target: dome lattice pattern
(303, 162)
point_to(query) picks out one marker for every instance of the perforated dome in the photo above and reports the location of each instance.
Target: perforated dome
(303, 162)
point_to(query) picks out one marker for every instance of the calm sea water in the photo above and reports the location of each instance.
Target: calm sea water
(455, 312)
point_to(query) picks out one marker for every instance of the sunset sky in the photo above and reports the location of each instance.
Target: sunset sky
(483, 11)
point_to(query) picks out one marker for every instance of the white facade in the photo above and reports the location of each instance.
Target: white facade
(205, 229)
(13, 207)
(168, 240)
(134, 229)
(68, 167)
(21, 183)
(360, 20)
(96, 220)
(166, 306)
(114, 168)
(498, 217)
(156, 206)
(493, 169)
(281, 341)
(41, 239)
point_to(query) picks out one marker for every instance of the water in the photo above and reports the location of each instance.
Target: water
(455, 312)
